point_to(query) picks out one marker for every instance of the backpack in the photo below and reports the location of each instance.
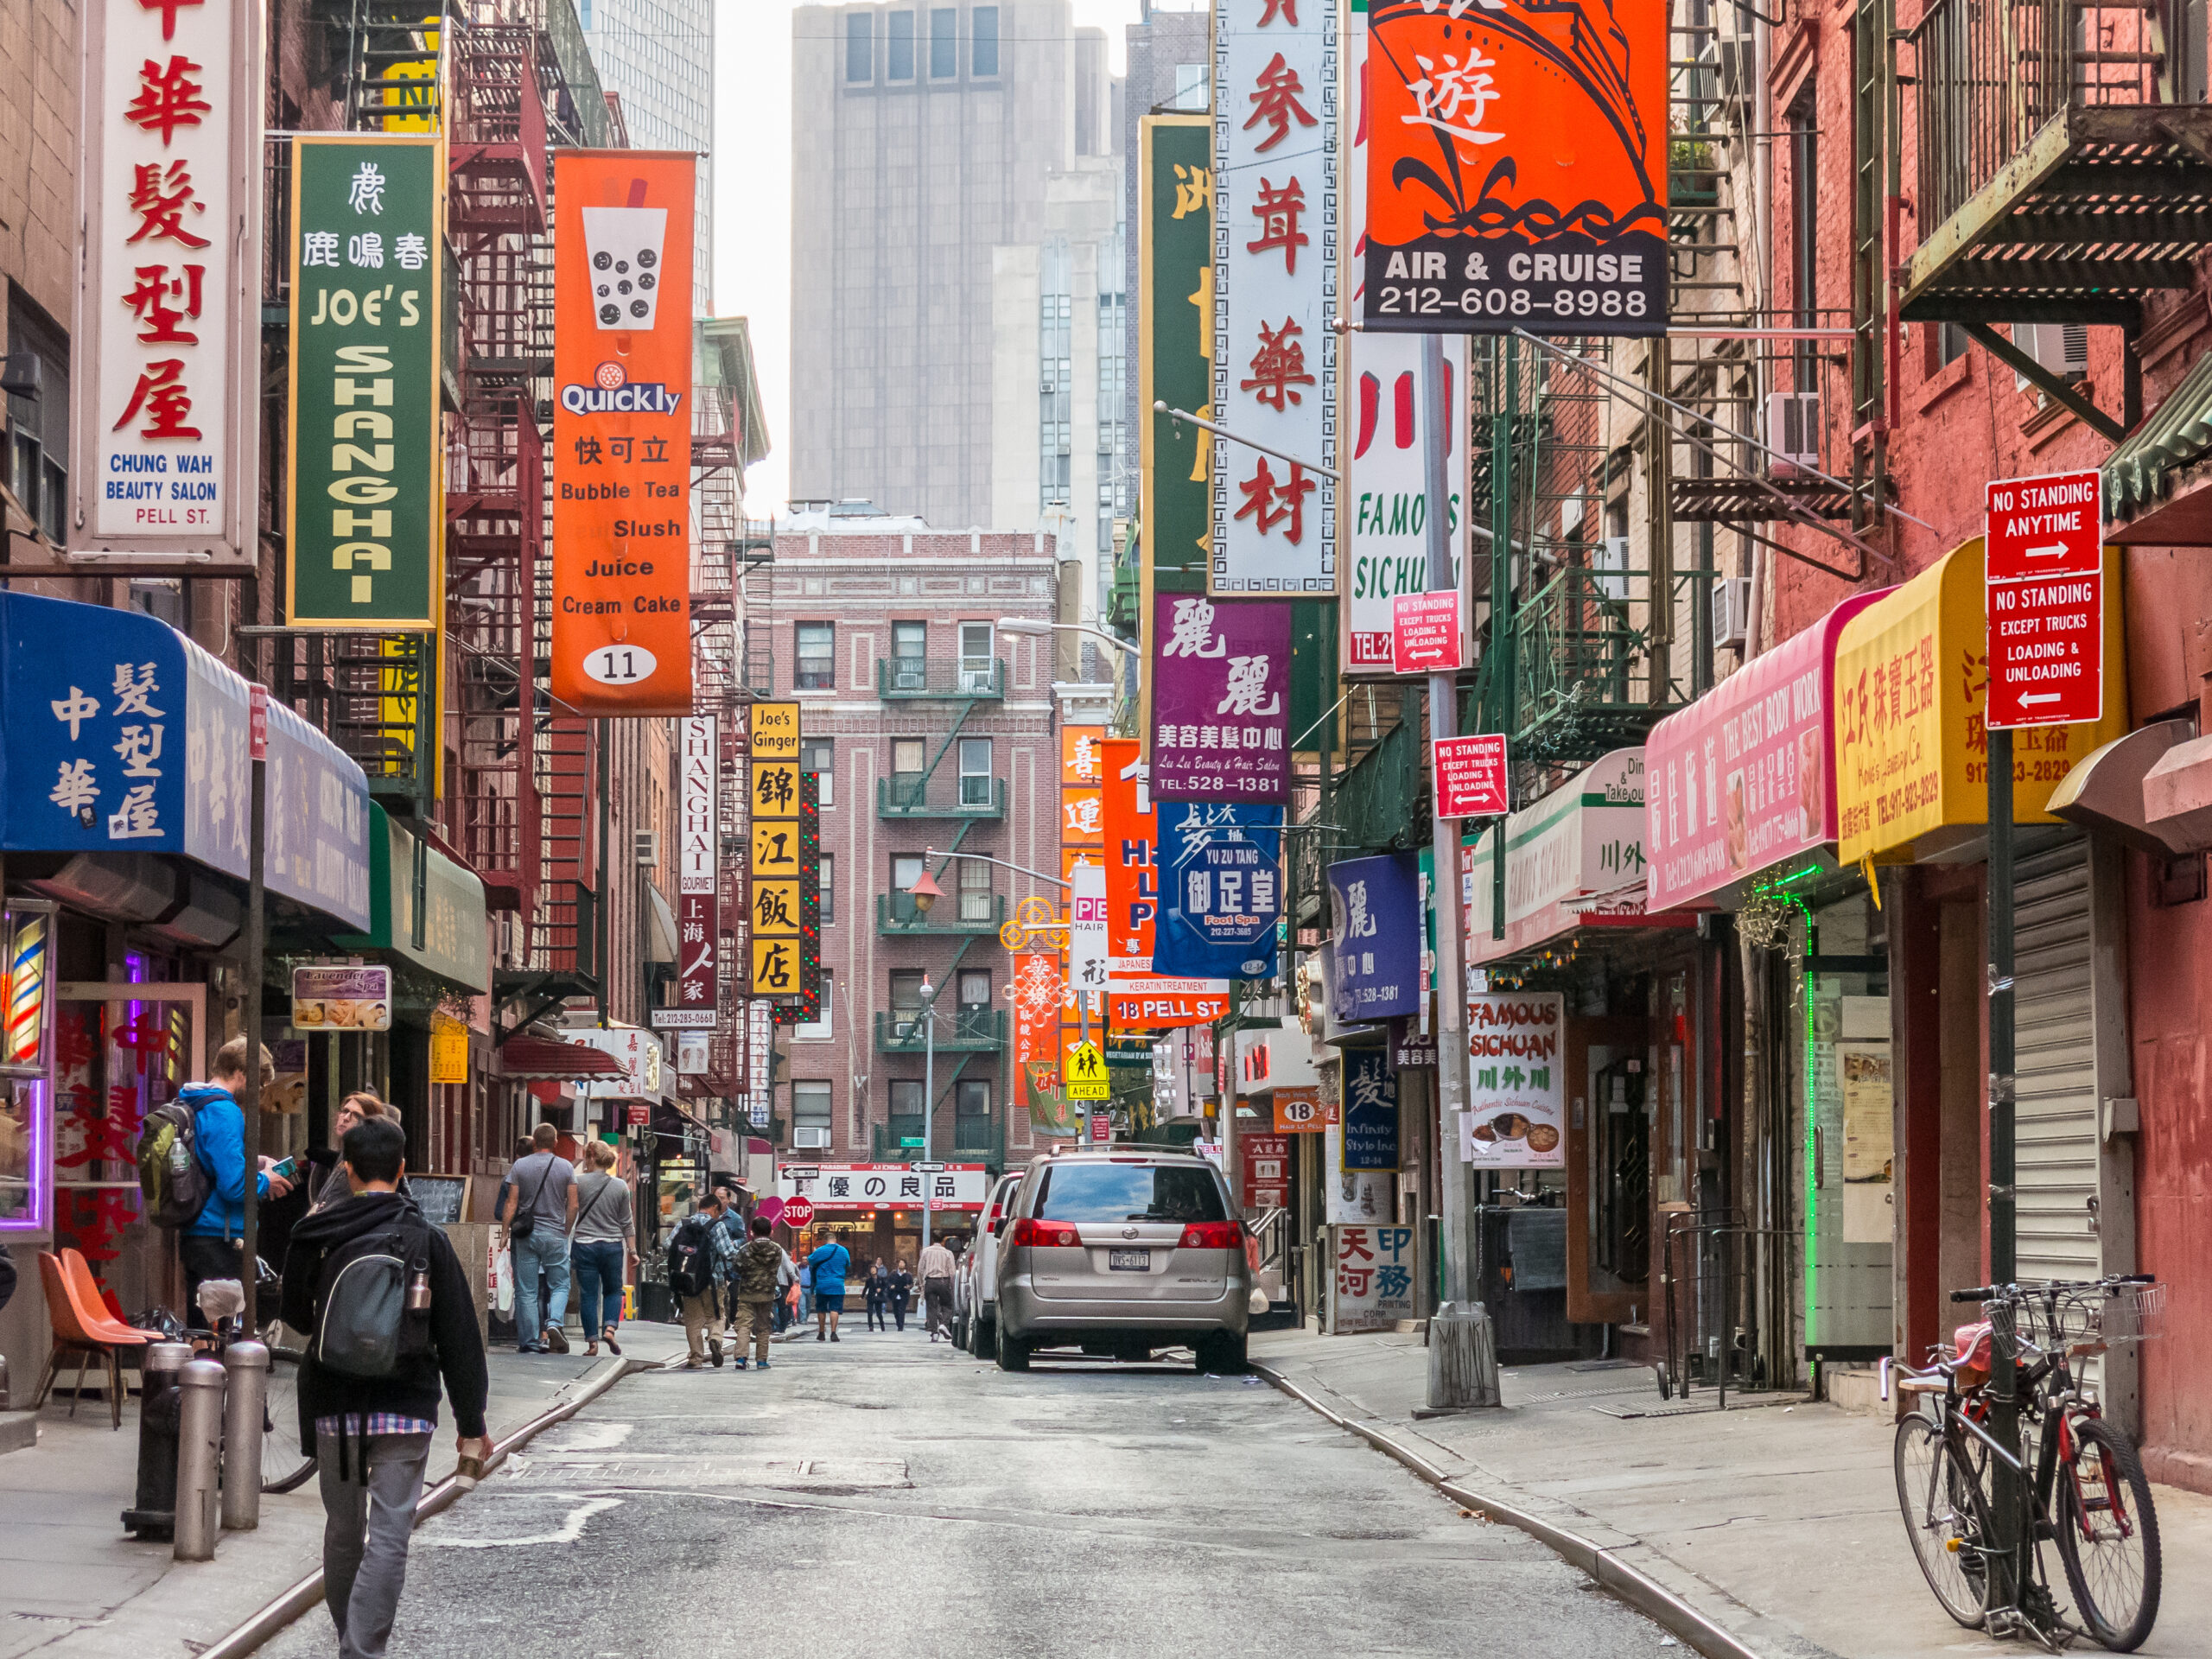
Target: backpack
(363, 1326)
(173, 1185)
(691, 1257)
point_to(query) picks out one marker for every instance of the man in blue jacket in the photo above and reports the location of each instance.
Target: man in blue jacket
(210, 1245)
(830, 1261)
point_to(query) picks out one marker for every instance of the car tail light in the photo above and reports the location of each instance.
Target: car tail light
(1212, 1235)
(1051, 1234)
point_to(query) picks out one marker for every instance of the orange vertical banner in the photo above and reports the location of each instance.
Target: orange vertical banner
(622, 431)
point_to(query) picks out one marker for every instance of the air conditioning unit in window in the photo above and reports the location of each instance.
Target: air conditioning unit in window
(646, 849)
(806, 1136)
(2062, 347)
(1793, 428)
(1732, 612)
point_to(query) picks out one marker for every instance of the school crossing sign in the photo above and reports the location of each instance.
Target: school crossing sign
(1086, 1073)
(2044, 579)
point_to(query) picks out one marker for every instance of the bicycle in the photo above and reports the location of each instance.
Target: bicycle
(284, 1467)
(2082, 1485)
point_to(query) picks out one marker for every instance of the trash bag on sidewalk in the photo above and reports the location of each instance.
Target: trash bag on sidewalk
(499, 1279)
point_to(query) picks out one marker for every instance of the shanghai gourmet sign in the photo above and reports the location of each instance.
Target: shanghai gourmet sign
(1516, 167)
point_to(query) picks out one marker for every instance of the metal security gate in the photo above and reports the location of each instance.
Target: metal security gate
(2056, 1065)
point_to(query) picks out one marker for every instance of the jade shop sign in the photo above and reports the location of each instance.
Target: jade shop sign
(364, 509)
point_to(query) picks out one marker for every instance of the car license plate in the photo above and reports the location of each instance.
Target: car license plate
(1132, 1261)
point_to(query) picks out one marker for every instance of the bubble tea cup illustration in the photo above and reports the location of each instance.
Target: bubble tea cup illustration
(624, 246)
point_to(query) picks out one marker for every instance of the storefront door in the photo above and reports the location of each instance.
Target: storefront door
(1611, 1108)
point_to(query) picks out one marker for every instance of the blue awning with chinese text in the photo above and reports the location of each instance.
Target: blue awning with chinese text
(122, 735)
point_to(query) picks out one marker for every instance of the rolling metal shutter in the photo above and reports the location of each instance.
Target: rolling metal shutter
(2056, 1113)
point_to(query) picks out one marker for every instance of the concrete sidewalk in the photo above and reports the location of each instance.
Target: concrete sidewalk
(71, 1582)
(1778, 1522)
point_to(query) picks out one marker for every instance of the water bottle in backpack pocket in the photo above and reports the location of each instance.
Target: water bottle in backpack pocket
(373, 1313)
(173, 1183)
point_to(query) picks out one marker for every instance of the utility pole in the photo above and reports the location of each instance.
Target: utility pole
(2009, 1547)
(929, 1094)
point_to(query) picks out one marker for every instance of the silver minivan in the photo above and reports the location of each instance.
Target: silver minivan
(1120, 1250)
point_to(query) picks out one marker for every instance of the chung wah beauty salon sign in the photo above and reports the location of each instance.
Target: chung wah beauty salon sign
(165, 343)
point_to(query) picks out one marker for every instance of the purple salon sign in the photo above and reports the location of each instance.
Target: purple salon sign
(1220, 699)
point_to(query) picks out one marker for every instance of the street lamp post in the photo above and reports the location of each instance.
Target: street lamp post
(929, 1092)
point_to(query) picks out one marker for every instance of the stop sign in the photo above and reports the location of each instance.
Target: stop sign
(797, 1211)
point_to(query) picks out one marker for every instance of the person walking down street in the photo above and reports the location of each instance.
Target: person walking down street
(698, 1263)
(754, 1272)
(877, 1290)
(603, 1248)
(830, 1261)
(368, 1417)
(899, 1291)
(805, 1283)
(212, 1243)
(786, 1291)
(540, 1210)
(937, 1287)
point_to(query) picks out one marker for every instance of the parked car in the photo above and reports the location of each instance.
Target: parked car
(1119, 1251)
(975, 1287)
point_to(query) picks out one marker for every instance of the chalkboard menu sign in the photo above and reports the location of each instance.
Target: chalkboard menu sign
(441, 1198)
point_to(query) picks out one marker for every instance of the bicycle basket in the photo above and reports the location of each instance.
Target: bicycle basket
(2100, 1316)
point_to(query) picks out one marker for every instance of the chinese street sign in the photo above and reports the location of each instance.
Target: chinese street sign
(1516, 169)
(1221, 889)
(621, 457)
(1086, 1073)
(165, 342)
(1425, 633)
(1471, 779)
(1220, 699)
(364, 514)
(1374, 925)
(1275, 351)
(1517, 1082)
(773, 864)
(2044, 571)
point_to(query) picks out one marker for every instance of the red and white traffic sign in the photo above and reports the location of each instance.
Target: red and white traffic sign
(1425, 633)
(797, 1211)
(1468, 775)
(2044, 582)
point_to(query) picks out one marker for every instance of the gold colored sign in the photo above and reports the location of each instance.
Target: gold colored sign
(448, 1052)
(775, 734)
(775, 967)
(775, 849)
(775, 789)
(1086, 1073)
(774, 909)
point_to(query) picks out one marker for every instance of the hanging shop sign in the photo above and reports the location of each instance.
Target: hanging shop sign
(1374, 928)
(1469, 778)
(1371, 1286)
(881, 1186)
(364, 512)
(1516, 168)
(1157, 1002)
(643, 1059)
(1266, 1173)
(698, 874)
(1370, 1111)
(1745, 777)
(1175, 275)
(1275, 349)
(1301, 1110)
(772, 862)
(1087, 928)
(1132, 863)
(1040, 997)
(1574, 859)
(1089, 959)
(341, 997)
(2045, 602)
(165, 343)
(621, 453)
(1220, 699)
(449, 1052)
(1516, 1082)
(1353, 1196)
(1221, 889)
(1911, 752)
(450, 938)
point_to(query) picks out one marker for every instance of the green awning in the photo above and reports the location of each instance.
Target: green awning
(456, 944)
(2139, 473)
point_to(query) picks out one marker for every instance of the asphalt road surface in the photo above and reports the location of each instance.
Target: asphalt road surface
(889, 1496)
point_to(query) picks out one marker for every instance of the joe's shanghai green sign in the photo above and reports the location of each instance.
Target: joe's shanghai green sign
(365, 516)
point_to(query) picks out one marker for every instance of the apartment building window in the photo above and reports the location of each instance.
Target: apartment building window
(817, 657)
(972, 1097)
(983, 41)
(905, 870)
(822, 1027)
(1950, 345)
(829, 909)
(974, 988)
(860, 46)
(38, 427)
(944, 43)
(906, 1002)
(910, 650)
(818, 756)
(810, 1115)
(907, 1100)
(974, 890)
(908, 756)
(899, 63)
(975, 772)
(1190, 90)
(977, 669)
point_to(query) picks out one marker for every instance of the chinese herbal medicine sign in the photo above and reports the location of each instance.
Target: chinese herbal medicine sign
(1275, 353)
(1517, 1082)
(367, 506)
(1516, 169)
(1220, 699)
(166, 342)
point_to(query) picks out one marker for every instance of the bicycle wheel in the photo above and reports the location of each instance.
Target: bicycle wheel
(1943, 1518)
(2109, 1536)
(283, 1466)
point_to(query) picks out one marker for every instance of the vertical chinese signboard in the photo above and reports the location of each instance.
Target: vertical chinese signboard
(365, 511)
(1516, 168)
(622, 432)
(772, 864)
(1039, 1001)
(698, 866)
(1082, 853)
(1220, 679)
(1175, 365)
(1274, 353)
(1372, 1286)
(165, 345)
(1132, 886)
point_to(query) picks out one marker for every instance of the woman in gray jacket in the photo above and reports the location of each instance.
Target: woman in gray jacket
(603, 1248)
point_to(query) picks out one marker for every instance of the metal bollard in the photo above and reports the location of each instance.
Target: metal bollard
(245, 1399)
(198, 1459)
(154, 1514)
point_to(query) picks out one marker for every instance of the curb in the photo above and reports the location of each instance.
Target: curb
(1604, 1565)
(274, 1615)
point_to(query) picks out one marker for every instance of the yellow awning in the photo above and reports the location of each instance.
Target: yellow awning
(1911, 755)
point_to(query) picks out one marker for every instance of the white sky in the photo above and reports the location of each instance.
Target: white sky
(752, 210)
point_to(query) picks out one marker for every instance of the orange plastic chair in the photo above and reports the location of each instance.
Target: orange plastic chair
(99, 1317)
(74, 1331)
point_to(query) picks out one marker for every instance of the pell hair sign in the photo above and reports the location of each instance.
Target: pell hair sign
(622, 431)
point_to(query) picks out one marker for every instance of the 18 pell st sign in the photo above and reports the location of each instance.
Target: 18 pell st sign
(2046, 583)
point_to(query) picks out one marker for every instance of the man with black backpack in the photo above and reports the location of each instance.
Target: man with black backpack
(389, 1311)
(192, 1171)
(699, 1253)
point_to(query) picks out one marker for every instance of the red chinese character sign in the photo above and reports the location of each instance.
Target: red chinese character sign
(1274, 354)
(165, 350)
(1471, 778)
(2046, 596)
(1516, 169)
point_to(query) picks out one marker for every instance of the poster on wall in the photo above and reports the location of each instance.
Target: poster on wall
(1371, 1283)
(1517, 1082)
(1355, 1196)
(621, 456)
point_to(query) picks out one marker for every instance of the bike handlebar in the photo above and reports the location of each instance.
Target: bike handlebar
(1996, 1292)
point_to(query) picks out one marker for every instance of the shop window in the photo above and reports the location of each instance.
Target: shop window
(817, 657)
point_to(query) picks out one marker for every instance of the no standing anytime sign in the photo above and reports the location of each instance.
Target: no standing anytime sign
(2046, 600)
